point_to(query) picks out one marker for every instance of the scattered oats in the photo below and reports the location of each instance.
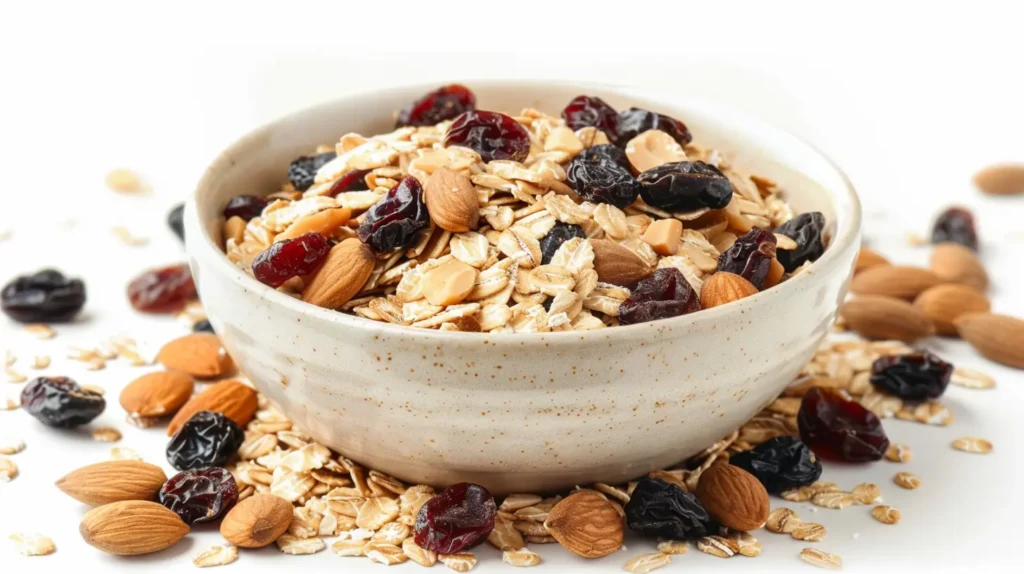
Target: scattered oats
(386, 554)
(41, 330)
(127, 237)
(899, 453)
(123, 181)
(216, 556)
(376, 512)
(106, 434)
(886, 514)
(647, 562)
(8, 470)
(9, 358)
(41, 362)
(673, 547)
(256, 446)
(514, 502)
(972, 379)
(292, 545)
(392, 533)
(305, 523)
(361, 534)
(504, 536)
(906, 480)
(782, 520)
(931, 413)
(418, 554)
(346, 548)
(916, 240)
(124, 453)
(719, 546)
(142, 422)
(291, 486)
(11, 445)
(973, 444)
(821, 559)
(824, 486)
(522, 558)
(833, 500)
(867, 493)
(460, 562)
(10, 402)
(14, 377)
(32, 544)
(809, 532)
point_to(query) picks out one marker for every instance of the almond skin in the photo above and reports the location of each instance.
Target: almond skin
(954, 263)
(257, 521)
(867, 259)
(113, 481)
(586, 524)
(132, 527)
(997, 337)
(724, 287)
(157, 394)
(234, 399)
(1001, 179)
(451, 201)
(901, 281)
(733, 497)
(198, 354)
(617, 265)
(880, 317)
(342, 275)
(944, 304)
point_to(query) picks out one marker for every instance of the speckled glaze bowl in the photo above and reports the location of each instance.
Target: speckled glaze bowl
(528, 412)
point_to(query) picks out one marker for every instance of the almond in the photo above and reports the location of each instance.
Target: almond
(326, 223)
(724, 287)
(997, 337)
(1001, 179)
(653, 148)
(775, 273)
(880, 317)
(586, 523)
(448, 283)
(257, 521)
(343, 274)
(157, 394)
(955, 263)
(902, 281)
(867, 259)
(733, 497)
(113, 481)
(944, 304)
(198, 354)
(664, 236)
(451, 201)
(618, 265)
(132, 527)
(234, 399)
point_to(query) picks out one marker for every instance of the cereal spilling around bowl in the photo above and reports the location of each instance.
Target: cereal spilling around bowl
(469, 220)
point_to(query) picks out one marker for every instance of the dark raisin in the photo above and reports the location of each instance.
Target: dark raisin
(586, 111)
(442, 104)
(634, 121)
(460, 517)
(602, 181)
(203, 326)
(685, 186)
(396, 221)
(657, 508)
(914, 377)
(207, 439)
(60, 402)
(244, 206)
(200, 495)
(45, 296)
(750, 257)
(839, 429)
(490, 134)
(163, 290)
(303, 170)
(663, 295)
(781, 463)
(290, 258)
(354, 180)
(176, 220)
(558, 235)
(607, 152)
(956, 224)
(808, 231)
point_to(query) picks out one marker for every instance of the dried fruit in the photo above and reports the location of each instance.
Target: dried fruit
(885, 318)
(808, 231)
(202, 326)
(733, 497)
(342, 275)
(584, 111)
(198, 354)
(113, 481)
(493, 135)
(618, 265)
(750, 257)
(602, 181)
(60, 402)
(459, 517)
(176, 220)
(257, 521)
(132, 527)
(234, 399)
(635, 121)
(997, 337)
(558, 235)
(657, 508)
(156, 394)
(163, 290)
(207, 439)
(839, 429)
(245, 207)
(444, 103)
(956, 225)
(781, 463)
(1001, 179)
(451, 201)
(200, 495)
(944, 304)
(685, 186)
(900, 281)
(290, 258)
(605, 152)
(302, 171)
(46, 296)
(724, 287)
(952, 262)
(395, 221)
(354, 180)
(586, 524)
(912, 377)
(663, 295)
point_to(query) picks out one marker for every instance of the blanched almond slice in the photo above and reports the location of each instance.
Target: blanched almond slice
(234, 228)
(325, 222)
(664, 236)
(448, 283)
(653, 148)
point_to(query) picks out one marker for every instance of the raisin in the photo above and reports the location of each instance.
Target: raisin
(460, 517)
(244, 206)
(60, 402)
(602, 181)
(490, 134)
(207, 439)
(559, 234)
(163, 290)
(634, 121)
(45, 296)
(176, 220)
(750, 257)
(442, 104)
(200, 495)
(685, 186)
(290, 258)
(657, 508)
(303, 170)
(913, 377)
(203, 326)
(607, 152)
(808, 231)
(663, 295)
(354, 180)
(956, 224)
(587, 111)
(781, 463)
(396, 221)
(839, 429)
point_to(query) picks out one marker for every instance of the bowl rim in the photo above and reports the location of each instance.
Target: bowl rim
(846, 237)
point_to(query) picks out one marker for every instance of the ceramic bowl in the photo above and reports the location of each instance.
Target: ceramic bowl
(526, 412)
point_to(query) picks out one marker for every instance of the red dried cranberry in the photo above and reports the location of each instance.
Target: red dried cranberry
(244, 206)
(396, 221)
(60, 402)
(913, 377)
(634, 121)
(200, 495)
(807, 230)
(290, 258)
(664, 294)
(442, 104)
(839, 429)
(586, 111)
(602, 181)
(163, 290)
(490, 134)
(45, 296)
(750, 257)
(956, 224)
(302, 171)
(685, 186)
(354, 180)
(460, 517)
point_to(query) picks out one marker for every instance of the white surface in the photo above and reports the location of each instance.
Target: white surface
(909, 102)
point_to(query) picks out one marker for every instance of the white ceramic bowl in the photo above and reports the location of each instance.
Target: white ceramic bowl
(527, 412)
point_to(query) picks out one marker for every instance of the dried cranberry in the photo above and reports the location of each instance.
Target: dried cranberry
(244, 206)
(354, 180)
(956, 224)
(163, 290)
(302, 171)
(46, 296)
(781, 463)
(807, 230)
(290, 258)
(913, 377)
(60, 402)
(200, 495)
(490, 134)
(602, 181)
(658, 508)
(460, 517)
(207, 439)
(559, 234)
(750, 257)
(203, 326)
(396, 221)
(634, 121)
(839, 429)
(685, 186)
(607, 152)
(442, 104)
(586, 111)
(664, 294)
(176, 220)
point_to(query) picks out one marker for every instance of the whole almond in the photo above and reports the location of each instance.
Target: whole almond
(198, 354)
(944, 304)
(954, 263)
(618, 265)
(880, 317)
(234, 399)
(132, 527)
(257, 521)
(1001, 179)
(451, 201)
(997, 337)
(113, 481)
(724, 287)
(157, 394)
(586, 524)
(733, 497)
(343, 274)
(902, 281)
(867, 259)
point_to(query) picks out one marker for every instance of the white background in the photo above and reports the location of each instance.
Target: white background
(910, 98)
